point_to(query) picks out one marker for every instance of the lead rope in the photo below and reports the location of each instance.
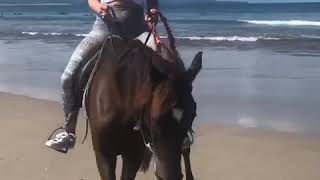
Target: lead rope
(89, 82)
(93, 72)
(153, 30)
(170, 34)
(87, 89)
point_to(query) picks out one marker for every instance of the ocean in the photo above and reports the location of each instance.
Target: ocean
(261, 61)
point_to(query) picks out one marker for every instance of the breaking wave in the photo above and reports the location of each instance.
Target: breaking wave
(53, 34)
(192, 38)
(283, 22)
(229, 38)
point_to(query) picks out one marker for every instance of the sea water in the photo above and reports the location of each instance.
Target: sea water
(261, 65)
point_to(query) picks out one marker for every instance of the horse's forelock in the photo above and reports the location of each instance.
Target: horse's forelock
(163, 100)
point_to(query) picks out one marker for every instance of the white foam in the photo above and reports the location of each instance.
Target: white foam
(52, 34)
(311, 36)
(30, 33)
(229, 38)
(285, 126)
(283, 22)
(192, 38)
(280, 125)
(247, 122)
(81, 35)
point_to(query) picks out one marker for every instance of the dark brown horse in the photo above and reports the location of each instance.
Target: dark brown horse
(138, 103)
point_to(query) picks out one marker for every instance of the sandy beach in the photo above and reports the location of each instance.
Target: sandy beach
(219, 152)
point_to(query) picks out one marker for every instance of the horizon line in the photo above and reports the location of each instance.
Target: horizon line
(35, 4)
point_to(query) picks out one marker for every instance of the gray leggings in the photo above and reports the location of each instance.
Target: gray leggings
(124, 20)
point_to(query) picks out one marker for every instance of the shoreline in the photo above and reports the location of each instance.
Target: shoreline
(203, 124)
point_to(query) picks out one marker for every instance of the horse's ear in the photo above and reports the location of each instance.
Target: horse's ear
(195, 67)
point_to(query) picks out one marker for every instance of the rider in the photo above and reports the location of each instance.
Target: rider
(121, 17)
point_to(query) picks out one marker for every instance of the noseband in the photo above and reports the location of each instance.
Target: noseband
(147, 140)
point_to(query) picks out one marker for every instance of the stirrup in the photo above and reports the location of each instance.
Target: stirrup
(54, 131)
(66, 146)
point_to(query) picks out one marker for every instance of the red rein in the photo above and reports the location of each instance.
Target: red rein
(151, 20)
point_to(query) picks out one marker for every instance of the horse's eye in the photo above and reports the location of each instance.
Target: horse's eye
(177, 114)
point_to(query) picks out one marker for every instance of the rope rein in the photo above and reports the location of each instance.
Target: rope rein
(153, 30)
(86, 91)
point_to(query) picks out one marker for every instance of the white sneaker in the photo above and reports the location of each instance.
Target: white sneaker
(62, 141)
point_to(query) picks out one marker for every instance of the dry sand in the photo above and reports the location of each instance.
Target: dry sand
(219, 153)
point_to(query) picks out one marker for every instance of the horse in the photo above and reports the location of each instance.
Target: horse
(140, 105)
(136, 87)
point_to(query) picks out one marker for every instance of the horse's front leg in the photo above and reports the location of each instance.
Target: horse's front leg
(132, 156)
(106, 166)
(187, 163)
(106, 162)
(130, 166)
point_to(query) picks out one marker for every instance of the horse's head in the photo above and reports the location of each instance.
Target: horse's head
(172, 112)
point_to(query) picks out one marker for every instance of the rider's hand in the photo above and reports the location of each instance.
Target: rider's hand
(154, 11)
(153, 16)
(99, 8)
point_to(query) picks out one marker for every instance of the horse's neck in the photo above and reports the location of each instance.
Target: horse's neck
(165, 52)
(171, 56)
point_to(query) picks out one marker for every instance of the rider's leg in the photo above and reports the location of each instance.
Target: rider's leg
(85, 50)
(132, 23)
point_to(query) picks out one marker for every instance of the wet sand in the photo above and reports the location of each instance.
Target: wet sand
(219, 152)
